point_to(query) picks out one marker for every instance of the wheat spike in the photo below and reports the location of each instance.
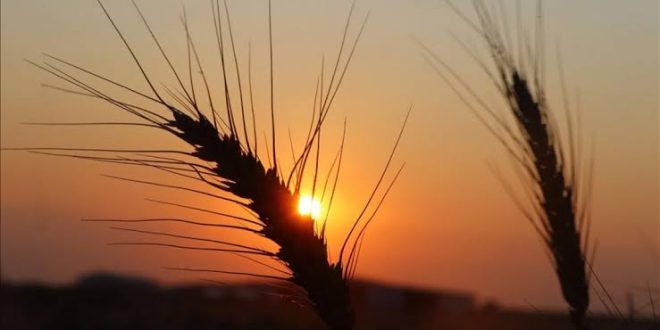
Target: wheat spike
(225, 157)
(559, 210)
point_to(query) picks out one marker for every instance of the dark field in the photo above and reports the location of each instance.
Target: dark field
(109, 302)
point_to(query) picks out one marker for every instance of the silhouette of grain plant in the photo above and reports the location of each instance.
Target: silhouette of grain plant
(550, 170)
(225, 157)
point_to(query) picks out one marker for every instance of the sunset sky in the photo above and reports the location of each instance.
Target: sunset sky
(447, 224)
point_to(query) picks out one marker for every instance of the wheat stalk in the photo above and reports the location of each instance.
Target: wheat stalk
(225, 157)
(548, 168)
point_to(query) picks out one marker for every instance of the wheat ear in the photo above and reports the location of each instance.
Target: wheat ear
(225, 157)
(549, 170)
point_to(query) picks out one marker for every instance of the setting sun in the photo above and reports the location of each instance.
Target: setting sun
(309, 206)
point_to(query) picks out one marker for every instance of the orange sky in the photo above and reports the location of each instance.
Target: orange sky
(446, 224)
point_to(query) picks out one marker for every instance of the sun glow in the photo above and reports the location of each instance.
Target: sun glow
(309, 206)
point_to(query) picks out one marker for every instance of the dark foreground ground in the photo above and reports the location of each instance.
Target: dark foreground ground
(106, 302)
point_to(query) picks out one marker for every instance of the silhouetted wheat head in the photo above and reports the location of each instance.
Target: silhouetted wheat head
(224, 156)
(549, 169)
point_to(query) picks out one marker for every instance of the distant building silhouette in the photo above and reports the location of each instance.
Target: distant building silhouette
(114, 281)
